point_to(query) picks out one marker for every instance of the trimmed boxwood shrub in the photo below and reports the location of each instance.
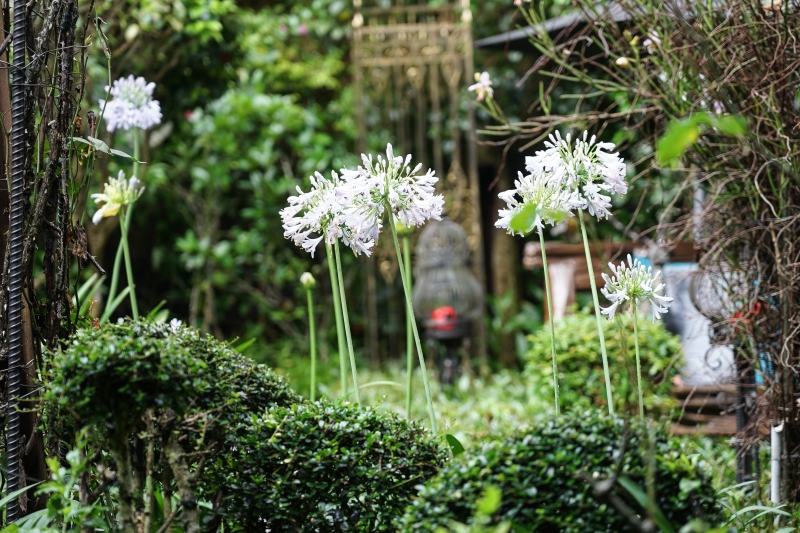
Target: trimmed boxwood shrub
(580, 366)
(170, 390)
(325, 467)
(537, 472)
(110, 375)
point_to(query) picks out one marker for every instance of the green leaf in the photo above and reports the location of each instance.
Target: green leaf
(245, 345)
(99, 145)
(786, 530)
(15, 494)
(734, 126)
(523, 222)
(455, 446)
(678, 137)
(121, 154)
(151, 315)
(490, 502)
(682, 134)
(641, 498)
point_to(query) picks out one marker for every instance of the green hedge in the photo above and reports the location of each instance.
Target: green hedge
(324, 467)
(580, 365)
(537, 473)
(110, 375)
(136, 386)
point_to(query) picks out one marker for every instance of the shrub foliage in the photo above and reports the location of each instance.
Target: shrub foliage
(159, 400)
(539, 475)
(324, 467)
(580, 365)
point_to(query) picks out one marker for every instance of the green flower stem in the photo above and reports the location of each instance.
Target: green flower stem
(312, 334)
(112, 292)
(346, 321)
(410, 311)
(552, 325)
(638, 360)
(127, 256)
(409, 332)
(135, 132)
(337, 311)
(597, 316)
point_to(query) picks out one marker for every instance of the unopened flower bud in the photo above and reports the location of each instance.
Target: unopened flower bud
(623, 62)
(308, 281)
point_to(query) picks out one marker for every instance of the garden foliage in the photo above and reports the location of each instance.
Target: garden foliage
(159, 399)
(324, 467)
(539, 475)
(580, 366)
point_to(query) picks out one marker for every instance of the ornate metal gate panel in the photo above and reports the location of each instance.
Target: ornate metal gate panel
(412, 64)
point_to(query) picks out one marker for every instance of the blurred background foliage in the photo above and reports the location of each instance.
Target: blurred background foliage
(256, 96)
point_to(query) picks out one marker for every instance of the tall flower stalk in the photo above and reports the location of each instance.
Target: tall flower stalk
(321, 214)
(118, 195)
(408, 197)
(131, 107)
(600, 334)
(635, 283)
(586, 173)
(337, 312)
(346, 322)
(551, 321)
(415, 331)
(538, 200)
(409, 330)
(308, 282)
(351, 209)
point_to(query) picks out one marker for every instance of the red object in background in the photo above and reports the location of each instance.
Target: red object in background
(444, 318)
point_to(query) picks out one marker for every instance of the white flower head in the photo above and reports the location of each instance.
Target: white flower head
(544, 200)
(325, 212)
(411, 196)
(483, 86)
(585, 167)
(175, 325)
(636, 283)
(131, 105)
(116, 193)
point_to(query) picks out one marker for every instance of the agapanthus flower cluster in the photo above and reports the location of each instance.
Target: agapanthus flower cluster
(547, 201)
(116, 193)
(637, 283)
(351, 207)
(411, 197)
(324, 213)
(586, 168)
(131, 105)
(564, 177)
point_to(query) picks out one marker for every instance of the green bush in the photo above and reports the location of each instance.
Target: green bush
(537, 473)
(324, 467)
(580, 365)
(160, 401)
(110, 375)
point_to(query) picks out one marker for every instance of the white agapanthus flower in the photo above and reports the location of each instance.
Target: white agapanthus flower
(586, 167)
(549, 201)
(131, 105)
(326, 212)
(116, 193)
(636, 283)
(411, 196)
(482, 87)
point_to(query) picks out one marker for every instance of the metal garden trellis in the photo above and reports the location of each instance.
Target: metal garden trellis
(15, 246)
